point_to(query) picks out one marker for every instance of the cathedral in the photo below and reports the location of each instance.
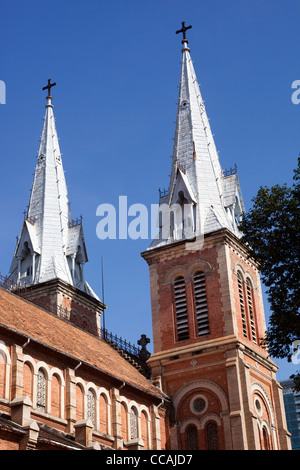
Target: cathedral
(66, 384)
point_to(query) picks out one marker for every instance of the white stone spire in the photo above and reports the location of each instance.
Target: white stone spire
(51, 245)
(212, 198)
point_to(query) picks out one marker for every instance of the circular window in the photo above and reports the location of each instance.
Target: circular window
(258, 406)
(198, 404)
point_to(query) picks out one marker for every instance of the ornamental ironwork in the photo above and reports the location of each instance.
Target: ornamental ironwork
(91, 406)
(41, 391)
(133, 424)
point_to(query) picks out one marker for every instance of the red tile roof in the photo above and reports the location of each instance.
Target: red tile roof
(37, 324)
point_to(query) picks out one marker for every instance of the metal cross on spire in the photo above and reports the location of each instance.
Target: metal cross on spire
(183, 30)
(49, 86)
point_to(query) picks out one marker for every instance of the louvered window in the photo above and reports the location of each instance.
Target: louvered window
(201, 304)
(181, 309)
(251, 309)
(242, 303)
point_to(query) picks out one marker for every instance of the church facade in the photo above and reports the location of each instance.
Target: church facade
(209, 384)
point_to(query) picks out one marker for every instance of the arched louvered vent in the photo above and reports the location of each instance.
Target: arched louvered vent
(242, 303)
(201, 304)
(181, 309)
(251, 309)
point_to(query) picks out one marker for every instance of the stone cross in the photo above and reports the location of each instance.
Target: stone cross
(49, 86)
(183, 29)
(144, 354)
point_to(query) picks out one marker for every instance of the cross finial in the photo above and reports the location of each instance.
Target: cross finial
(48, 87)
(183, 30)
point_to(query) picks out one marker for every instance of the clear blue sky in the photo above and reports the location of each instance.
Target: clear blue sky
(117, 67)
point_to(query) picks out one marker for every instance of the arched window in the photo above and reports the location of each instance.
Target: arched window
(124, 424)
(55, 395)
(2, 374)
(91, 406)
(265, 440)
(192, 438)
(28, 380)
(103, 406)
(212, 436)
(242, 303)
(41, 391)
(79, 402)
(133, 424)
(201, 304)
(251, 309)
(144, 430)
(181, 309)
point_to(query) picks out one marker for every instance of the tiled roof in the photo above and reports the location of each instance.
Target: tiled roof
(37, 324)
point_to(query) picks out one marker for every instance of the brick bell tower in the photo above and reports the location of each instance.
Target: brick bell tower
(207, 309)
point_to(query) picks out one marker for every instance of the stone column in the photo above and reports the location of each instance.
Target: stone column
(155, 422)
(21, 414)
(84, 432)
(17, 372)
(116, 419)
(236, 414)
(70, 399)
(284, 435)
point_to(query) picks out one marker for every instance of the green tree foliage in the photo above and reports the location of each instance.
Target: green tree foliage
(271, 230)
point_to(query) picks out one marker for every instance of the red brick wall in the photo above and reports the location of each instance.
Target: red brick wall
(103, 414)
(27, 381)
(165, 272)
(144, 429)
(6, 444)
(124, 427)
(79, 403)
(55, 396)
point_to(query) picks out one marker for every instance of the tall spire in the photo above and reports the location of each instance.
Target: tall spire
(212, 197)
(51, 245)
